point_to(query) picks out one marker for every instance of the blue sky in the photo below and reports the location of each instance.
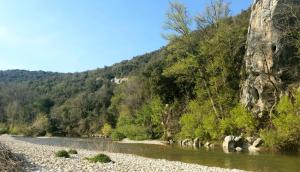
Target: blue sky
(79, 35)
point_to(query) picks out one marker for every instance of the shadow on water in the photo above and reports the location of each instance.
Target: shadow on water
(264, 162)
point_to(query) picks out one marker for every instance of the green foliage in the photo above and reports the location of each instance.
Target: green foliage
(286, 132)
(102, 158)
(133, 132)
(126, 127)
(40, 125)
(270, 138)
(239, 121)
(189, 123)
(62, 153)
(3, 128)
(106, 130)
(72, 151)
(210, 125)
(117, 136)
(150, 116)
(20, 129)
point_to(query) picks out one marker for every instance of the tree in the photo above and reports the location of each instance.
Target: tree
(177, 20)
(214, 12)
(106, 130)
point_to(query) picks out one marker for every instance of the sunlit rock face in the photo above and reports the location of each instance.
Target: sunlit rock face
(270, 60)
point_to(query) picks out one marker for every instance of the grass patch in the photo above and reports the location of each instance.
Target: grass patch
(62, 153)
(73, 151)
(99, 158)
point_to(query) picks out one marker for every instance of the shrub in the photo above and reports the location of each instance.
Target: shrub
(62, 153)
(270, 137)
(106, 130)
(239, 121)
(117, 136)
(288, 130)
(73, 151)
(133, 132)
(3, 130)
(40, 125)
(188, 124)
(126, 127)
(20, 129)
(99, 158)
(210, 125)
(285, 135)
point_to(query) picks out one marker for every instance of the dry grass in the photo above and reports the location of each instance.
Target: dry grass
(9, 162)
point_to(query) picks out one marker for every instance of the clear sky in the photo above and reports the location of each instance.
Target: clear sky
(78, 35)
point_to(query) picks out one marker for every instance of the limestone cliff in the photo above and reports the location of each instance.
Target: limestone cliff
(270, 61)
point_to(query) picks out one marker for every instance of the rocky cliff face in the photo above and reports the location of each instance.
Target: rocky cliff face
(271, 62)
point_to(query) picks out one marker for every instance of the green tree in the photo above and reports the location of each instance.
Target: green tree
(106, 130)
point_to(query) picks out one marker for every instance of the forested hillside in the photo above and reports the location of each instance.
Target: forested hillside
(189, 88)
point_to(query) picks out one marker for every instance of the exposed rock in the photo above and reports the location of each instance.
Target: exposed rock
(179, 142)
(196, 143)
(229, 144)
(237, 139)
(187, 142)
(239, 149)
(250, 140)
(253, 149)
(257, 142)
(270, 61)
(207, 145)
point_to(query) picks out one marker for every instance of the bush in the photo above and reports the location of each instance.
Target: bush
(62, 153)
(106, 130)
(134, 132)
(188, 123)
(40, 125)
(288, 130)
(285, 134)
(239, 121)
(20, 129)
(117, 136)
(3, 130)
(270, 138)
(99, 158)
(127, 127)
(210, 125)
(73, 151)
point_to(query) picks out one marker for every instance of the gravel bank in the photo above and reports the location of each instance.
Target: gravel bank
(41, 158)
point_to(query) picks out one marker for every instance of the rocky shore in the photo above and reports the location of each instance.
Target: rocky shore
(42, 158)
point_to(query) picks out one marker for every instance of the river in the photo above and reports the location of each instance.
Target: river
(264, 162)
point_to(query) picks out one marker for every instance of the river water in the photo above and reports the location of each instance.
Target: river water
(264, 162)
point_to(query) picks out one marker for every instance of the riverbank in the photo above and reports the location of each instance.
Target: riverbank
(151, 142)
(41, 158)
